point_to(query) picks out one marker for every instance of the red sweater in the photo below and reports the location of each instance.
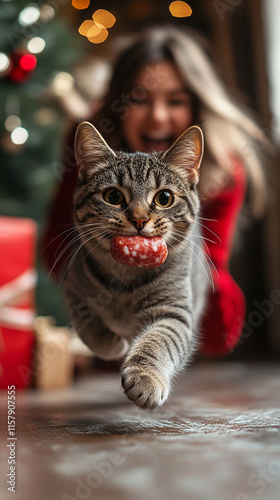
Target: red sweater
(223, 320)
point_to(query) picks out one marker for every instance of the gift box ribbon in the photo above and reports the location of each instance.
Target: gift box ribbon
(11, 295)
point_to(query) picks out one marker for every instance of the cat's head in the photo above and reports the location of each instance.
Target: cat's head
(136, 193)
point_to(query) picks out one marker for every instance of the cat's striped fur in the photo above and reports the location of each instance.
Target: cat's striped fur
(150, 316)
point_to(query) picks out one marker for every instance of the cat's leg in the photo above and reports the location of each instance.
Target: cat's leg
(157, 354)
(104, 343)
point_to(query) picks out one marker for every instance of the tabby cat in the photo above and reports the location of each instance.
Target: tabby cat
(148, 316)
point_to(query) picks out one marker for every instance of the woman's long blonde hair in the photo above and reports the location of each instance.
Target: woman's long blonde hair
(230, 131)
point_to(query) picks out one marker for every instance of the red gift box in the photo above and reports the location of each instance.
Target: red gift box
(17, 284)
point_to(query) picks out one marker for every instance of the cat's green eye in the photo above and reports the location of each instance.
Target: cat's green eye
(114, 196)
(164, 199)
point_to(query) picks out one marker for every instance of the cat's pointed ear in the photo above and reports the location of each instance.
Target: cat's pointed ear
(186, 153)
(90, 147)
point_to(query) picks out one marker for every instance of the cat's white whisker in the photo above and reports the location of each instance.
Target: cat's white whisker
(210, 230)
(102, 236)
(200, 223)
(75, 254)
(178, 233)
(69, 231)
(204, 238)
(70, 243)
(105, 235)
(206, 256)
(205, 218)
(74, 240)
(210, 279)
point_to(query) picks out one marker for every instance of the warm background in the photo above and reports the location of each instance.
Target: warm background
(66, 72)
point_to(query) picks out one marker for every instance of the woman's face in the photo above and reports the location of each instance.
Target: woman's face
(159, 109)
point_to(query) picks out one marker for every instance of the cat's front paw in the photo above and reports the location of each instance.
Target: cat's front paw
(146, 388)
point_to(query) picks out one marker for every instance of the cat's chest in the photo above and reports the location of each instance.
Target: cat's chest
(123, 327)
(121, 318)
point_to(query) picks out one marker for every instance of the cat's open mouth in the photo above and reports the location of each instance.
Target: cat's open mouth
(157, 143)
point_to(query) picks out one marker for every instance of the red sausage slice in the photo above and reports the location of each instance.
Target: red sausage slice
(139, 251)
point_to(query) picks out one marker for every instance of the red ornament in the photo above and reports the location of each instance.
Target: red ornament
(23, 65)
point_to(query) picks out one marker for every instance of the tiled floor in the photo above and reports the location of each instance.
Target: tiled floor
(217, 438)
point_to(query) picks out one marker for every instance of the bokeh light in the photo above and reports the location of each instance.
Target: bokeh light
(36, 45)
(12, 122)
(4, 62)
(95, 30)
(101, 37)
(28, 62)
(47, 12)
(180, 9)
(104, 17)
(63, 83)
(19, 135)
(85, 27)
(29, 15)
(80, 4)
(45, 116)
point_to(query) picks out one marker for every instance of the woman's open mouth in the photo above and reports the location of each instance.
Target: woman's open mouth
(157, 143)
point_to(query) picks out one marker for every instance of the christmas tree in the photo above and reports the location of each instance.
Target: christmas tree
(37, 51)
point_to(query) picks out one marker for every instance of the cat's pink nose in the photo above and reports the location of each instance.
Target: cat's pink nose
(139, 223)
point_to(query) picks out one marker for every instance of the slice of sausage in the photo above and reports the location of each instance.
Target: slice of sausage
(139, 251)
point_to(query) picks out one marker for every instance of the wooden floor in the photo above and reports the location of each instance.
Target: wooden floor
(217, 438)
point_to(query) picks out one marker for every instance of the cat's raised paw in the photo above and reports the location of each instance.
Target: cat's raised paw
(146, 390)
